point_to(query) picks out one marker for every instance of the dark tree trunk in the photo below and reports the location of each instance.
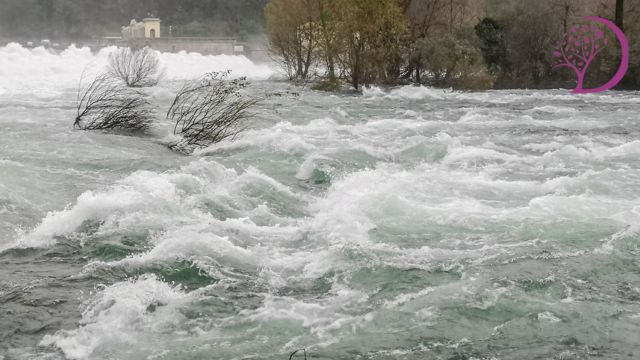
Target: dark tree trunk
(567, 8)
(620, 14)
(355, 77)
(620, 19)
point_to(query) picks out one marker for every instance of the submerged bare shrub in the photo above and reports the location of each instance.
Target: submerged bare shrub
(105, 103)
(209, 110)
(135, 67)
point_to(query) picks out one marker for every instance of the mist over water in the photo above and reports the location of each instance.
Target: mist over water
(24, 69)
(410, 223)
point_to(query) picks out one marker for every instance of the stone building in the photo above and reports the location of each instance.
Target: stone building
(149, 28)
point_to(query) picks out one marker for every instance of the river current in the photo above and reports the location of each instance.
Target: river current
(409, 223)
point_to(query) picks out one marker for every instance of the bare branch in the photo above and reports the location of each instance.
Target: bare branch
(209, 110)
(105, 103)
(135, 67)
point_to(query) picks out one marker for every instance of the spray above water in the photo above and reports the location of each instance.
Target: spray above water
(27, 69)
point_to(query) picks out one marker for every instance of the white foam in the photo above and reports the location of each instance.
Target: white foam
(406, 92)
(189, 243)
(554, 109)
(46, 72)
(119, 207)
(128, 312)
(148, 201)
(548, 317)
(413, 93)
(320, 317)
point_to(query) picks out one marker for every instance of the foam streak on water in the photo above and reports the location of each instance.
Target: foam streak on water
(405, 224)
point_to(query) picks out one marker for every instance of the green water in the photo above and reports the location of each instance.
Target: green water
(411, 224)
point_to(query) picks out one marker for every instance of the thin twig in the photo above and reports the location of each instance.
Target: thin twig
(295, 352)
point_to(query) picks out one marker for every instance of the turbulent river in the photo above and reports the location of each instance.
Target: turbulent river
(410, 223)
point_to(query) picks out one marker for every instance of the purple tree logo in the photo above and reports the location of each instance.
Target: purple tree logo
(582, 44)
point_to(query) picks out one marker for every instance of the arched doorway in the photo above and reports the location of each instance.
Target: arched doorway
(152, 33)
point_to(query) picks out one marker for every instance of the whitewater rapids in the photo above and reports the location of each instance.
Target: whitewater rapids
(411, 223)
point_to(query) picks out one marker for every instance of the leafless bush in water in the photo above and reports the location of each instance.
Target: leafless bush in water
(209, 110)
(105, 103)
(135, 67)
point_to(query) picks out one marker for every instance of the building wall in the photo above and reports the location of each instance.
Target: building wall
(133, 31)
(204, 46)
(151, 26)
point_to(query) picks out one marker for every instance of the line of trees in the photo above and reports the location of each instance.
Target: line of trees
(469, 44)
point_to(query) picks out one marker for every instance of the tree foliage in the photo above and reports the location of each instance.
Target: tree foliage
(453, 61)
(291, 27)
(358, 38)
(492, 44)
(459, 43)
(371, 40)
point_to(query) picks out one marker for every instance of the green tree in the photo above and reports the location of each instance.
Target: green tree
(292, 32)
(329, 41)
(371, 33)
(492, 44)
(452, 60)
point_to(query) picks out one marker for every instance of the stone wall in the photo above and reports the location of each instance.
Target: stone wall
(204, 46)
